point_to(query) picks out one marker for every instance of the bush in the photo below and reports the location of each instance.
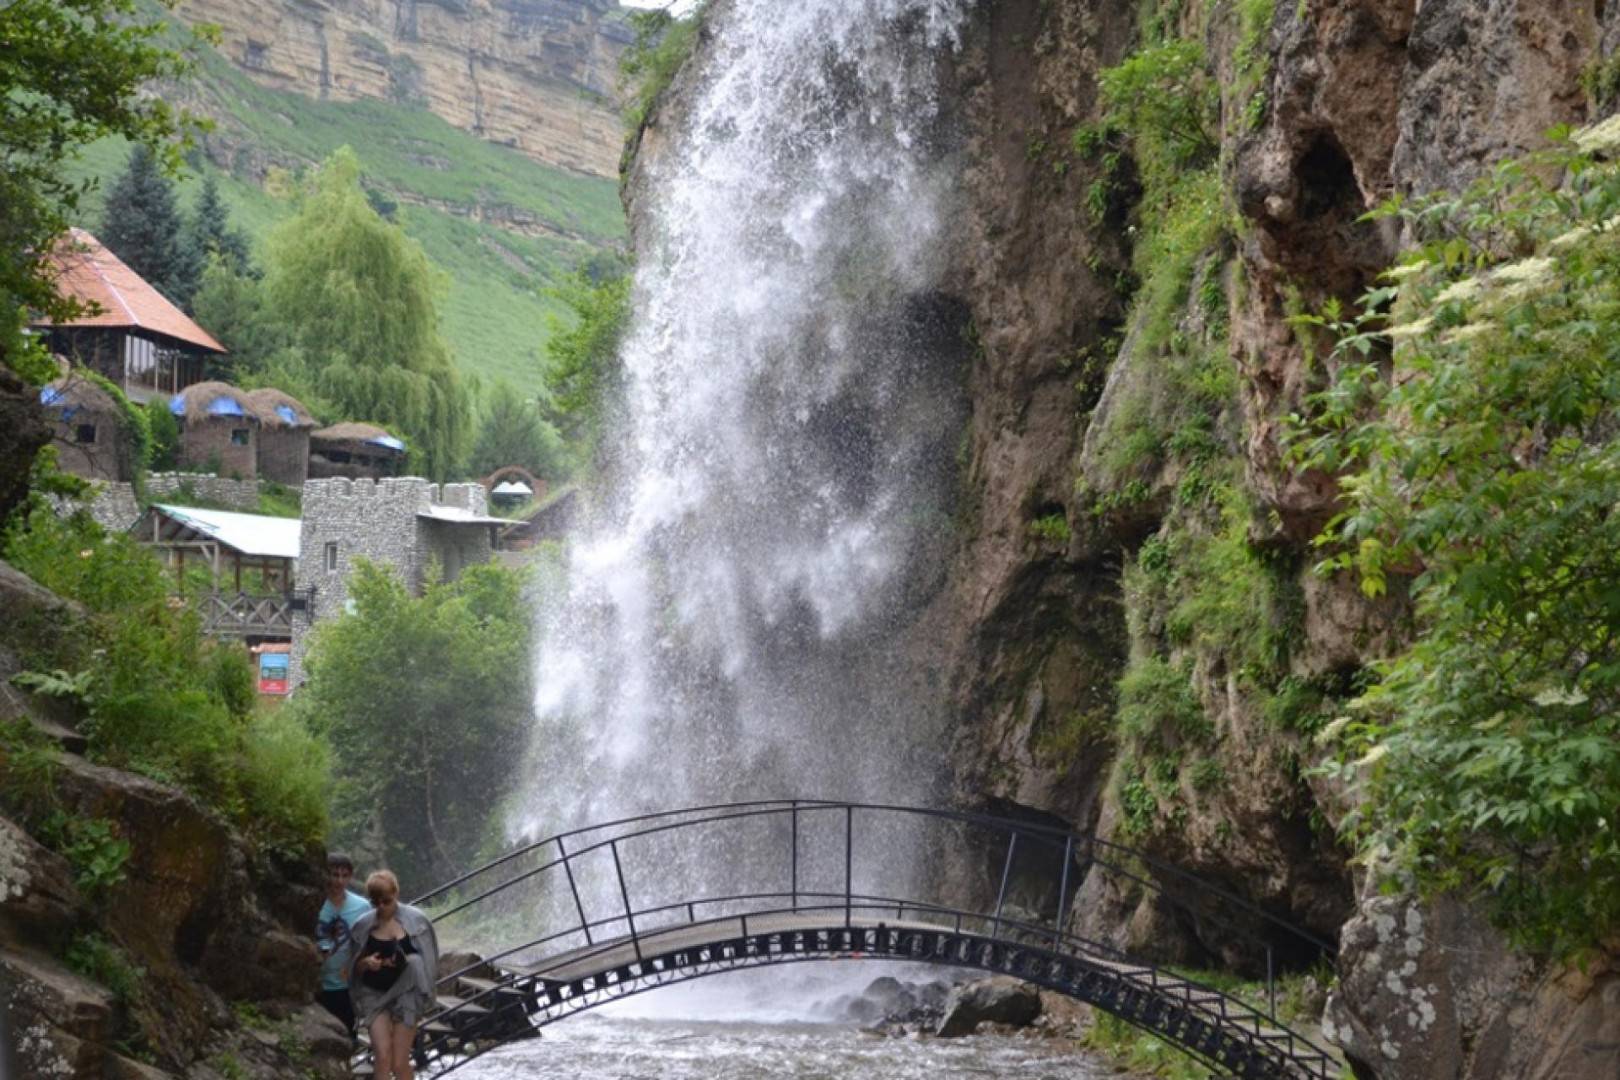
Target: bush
(165, 435)
(1473, 420)
(286, 778)
(160, 698)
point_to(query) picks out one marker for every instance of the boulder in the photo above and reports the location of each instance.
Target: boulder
(38, 899)
(186, 909)
(998, 1000)
(60, 1024)
(1431, 989)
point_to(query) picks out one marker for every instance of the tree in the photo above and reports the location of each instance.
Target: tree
(360, 299)
(583, 359)
(425, 702)
(230, 304)
(142, 226)
(71, 72)
(211, 234)
(164, 433)
(512, 432)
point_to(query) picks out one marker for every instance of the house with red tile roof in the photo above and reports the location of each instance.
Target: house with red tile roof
(128, 331)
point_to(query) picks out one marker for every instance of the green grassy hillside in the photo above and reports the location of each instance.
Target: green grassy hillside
(452, 190)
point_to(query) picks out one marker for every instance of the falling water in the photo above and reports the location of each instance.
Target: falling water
(782, 496)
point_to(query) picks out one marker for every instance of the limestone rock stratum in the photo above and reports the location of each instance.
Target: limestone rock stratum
(536, 75)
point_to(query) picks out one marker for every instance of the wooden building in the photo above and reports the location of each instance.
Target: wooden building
(283, 438)
(90, 429)
(128, 332)
(356, 451)
(251, 561)
(219, 430)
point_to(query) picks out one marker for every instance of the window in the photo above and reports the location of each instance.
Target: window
(86, 433)
(331, 557)
(239, 436)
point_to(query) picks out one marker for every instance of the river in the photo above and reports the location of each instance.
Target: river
(751, 1026)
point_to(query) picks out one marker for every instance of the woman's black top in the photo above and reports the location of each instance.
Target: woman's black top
(393, 951)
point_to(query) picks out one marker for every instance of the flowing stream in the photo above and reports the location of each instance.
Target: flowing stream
(779, 508)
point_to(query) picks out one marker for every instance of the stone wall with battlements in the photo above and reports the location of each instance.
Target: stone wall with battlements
(345, 520)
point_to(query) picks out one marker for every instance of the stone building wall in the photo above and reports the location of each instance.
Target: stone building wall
(346, 519)
(202, 441)
(105, 457)
(283, 455)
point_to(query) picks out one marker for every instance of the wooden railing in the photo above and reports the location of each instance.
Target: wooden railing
(244, 615)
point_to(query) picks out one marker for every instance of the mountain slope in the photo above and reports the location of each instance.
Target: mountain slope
(501, 224)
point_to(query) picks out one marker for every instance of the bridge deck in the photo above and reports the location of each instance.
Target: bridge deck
(613, 953)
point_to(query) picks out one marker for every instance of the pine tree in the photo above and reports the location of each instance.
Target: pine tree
(142, 226)
(360, 299)
(211, 233)
(513, 433)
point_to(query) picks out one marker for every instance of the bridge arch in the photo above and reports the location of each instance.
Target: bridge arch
(586, 942)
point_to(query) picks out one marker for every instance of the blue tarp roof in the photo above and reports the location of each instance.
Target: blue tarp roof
(222, 405)
(50, 395)
(388, 441)
(287, 414)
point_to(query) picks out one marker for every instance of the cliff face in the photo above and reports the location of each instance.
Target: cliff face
(537, 75)
(1130, 627)
(184, 954)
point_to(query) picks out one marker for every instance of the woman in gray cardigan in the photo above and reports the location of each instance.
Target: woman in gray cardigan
(394, 965)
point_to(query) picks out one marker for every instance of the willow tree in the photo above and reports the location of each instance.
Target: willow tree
(360, 298)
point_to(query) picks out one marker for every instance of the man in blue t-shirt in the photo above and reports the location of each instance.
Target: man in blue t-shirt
(339, 913)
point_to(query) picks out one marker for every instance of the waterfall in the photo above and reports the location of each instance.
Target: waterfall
(782, 497)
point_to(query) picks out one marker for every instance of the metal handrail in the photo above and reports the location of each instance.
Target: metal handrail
(722, 812)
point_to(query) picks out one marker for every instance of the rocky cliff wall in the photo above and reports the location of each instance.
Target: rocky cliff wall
(537, 75)
(187, 954)
(1130, 627)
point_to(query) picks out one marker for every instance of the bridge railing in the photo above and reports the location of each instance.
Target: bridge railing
(581, 870)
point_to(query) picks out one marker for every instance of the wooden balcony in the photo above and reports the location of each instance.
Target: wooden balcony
(246, 615)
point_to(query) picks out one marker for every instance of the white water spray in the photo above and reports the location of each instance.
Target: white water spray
(793, 405)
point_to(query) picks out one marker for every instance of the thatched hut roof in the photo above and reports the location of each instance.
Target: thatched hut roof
(279, 409)
(354, 431)
(211, 400)
(75, 393)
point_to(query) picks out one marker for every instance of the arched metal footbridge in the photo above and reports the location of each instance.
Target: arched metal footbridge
(600, 913)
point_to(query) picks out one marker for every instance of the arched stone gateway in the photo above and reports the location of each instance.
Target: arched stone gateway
(843, 889)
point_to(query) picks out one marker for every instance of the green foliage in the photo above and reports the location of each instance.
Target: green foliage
(101, 961)
(512, 432)
(1139, 1051)
(1051, 528)
(210, 234)
(278, 500)
(230, 304)
(141, 225)
(1601, 81)
(132, 423)
(164, 433)
(94, 847)
(583, 359)
(425, 702)
(71, 72)
(360, 298)
(161, 699)
(1164, 98)
(1472, 418)
(63, 685)
(663, 42)
(286, 779)
(1157, 704)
